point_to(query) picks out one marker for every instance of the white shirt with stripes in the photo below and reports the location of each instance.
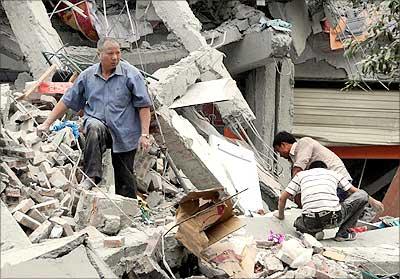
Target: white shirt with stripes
(318, 189)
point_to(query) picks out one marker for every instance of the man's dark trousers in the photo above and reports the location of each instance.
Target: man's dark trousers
(346, 218)
(98, 139)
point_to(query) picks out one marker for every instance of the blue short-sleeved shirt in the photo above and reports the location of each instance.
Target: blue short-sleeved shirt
(114, 102)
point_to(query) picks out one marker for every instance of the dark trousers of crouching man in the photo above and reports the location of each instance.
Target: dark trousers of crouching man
(98, 139)
(345, 218)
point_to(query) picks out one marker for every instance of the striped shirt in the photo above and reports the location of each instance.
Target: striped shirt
(318, 189)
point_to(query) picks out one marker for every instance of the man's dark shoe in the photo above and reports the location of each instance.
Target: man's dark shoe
(86, 184)
(345, 236)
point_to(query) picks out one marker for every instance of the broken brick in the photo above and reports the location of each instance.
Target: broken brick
(13, 192)
(24, 206)
(25, 220)
(114, 241)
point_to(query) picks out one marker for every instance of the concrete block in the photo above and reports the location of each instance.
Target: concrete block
(56, 232)
(37, 215)
(93, 206)
(58, 180)
(31, 139)
(24, 206)
(46, 168)
(64, 224)
(40, 157)
(111, 225)
(114, 241)
(47, 207)
(47, 148)
(42, 232)
(294, 254)
(272, 264)
(26, 220)
(154, 199)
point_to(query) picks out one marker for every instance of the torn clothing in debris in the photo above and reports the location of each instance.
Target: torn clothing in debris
(98, 139)
(114, 101)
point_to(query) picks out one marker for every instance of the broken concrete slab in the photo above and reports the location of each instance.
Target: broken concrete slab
(11, 236)
(264, 45)
(120, 259)
(259, 226)
(48, 249)
(187, 28)
(102, 268)
(75, 264)
(191, 152)
(32, 27)
(42, 232)
(377, 250)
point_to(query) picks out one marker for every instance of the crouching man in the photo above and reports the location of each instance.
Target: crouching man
(321, 206)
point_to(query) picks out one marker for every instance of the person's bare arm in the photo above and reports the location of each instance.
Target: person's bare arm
(281, 205)
(57, 112)
(296, 170)
(145, 117)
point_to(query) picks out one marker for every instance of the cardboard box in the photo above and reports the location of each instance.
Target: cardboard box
(205, 217)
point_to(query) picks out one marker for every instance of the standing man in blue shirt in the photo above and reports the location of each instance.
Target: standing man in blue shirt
(116, 107)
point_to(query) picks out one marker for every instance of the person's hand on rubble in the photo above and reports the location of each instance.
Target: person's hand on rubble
(144, 142)
(277, 215)
(43, 128)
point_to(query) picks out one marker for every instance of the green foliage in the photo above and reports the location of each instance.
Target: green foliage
(381, 51)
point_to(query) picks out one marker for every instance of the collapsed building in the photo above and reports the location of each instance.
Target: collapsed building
(221, 69)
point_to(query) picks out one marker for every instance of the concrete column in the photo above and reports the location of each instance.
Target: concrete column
(284, 110)
(265, 104)
(34, 32)
(270, 95)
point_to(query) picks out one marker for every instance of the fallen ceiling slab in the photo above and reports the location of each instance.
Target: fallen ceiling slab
(207, 92)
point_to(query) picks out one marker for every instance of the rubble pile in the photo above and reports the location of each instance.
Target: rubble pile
(40, 177)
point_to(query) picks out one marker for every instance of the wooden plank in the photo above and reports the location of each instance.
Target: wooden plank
(49, 72)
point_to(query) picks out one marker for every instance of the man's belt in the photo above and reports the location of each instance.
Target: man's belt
(318, 214)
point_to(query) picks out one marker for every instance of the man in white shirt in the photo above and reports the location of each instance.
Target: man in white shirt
(321, 206)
